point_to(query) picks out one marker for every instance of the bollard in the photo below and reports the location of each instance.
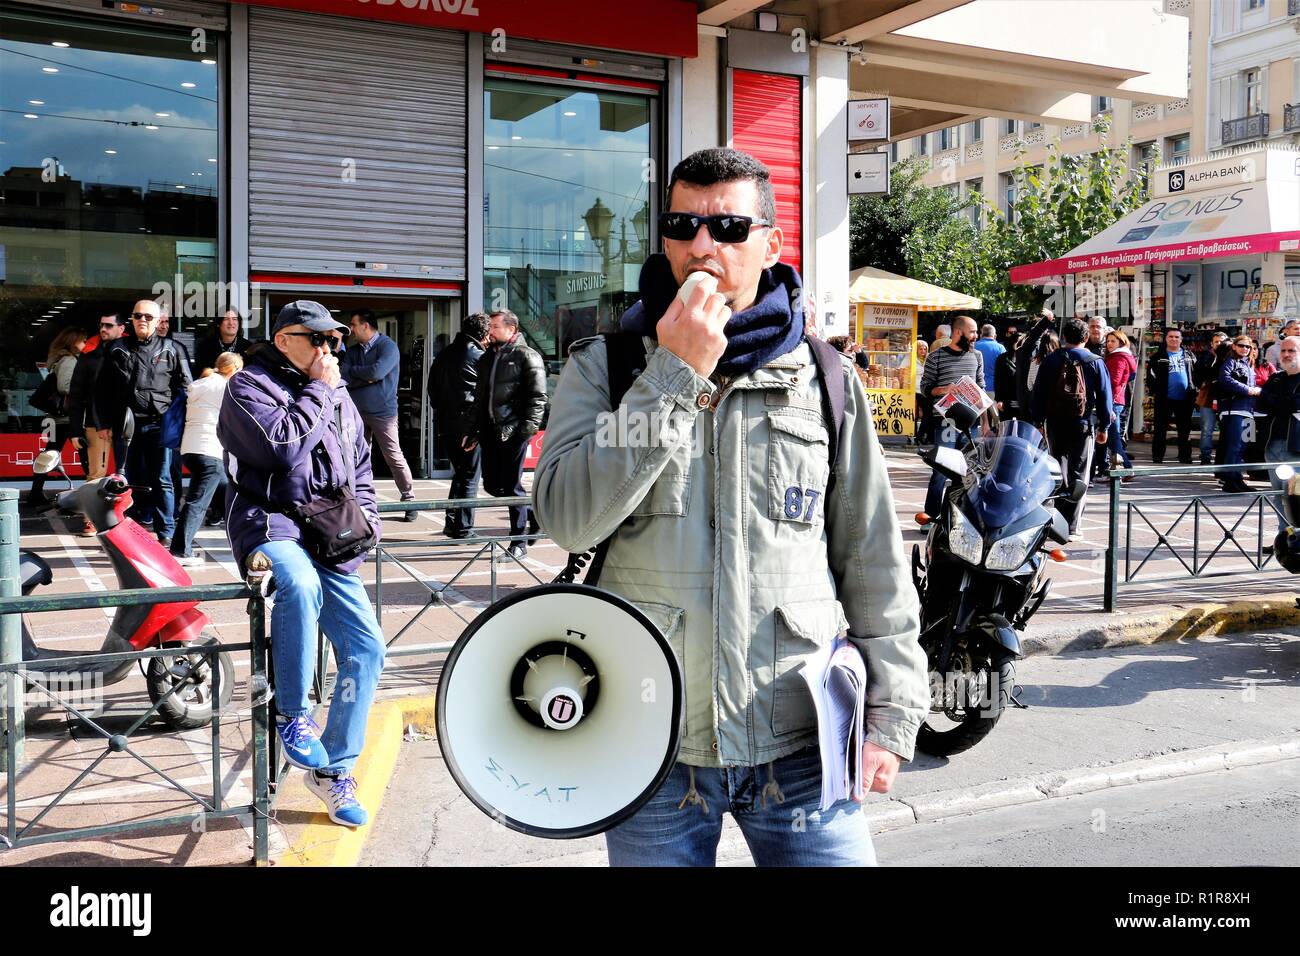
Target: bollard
(11, 637)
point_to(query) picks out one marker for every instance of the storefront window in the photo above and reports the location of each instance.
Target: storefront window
(568, 205)
(108, 178)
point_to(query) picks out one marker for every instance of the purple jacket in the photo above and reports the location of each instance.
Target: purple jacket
(282, 440)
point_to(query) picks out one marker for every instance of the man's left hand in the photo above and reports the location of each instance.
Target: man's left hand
(1101, 437)
(879, 767)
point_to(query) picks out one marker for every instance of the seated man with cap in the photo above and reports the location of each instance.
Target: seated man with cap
(292, 435)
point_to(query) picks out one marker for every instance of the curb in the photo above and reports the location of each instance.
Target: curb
(1172, 624)
(927, 808)
(323, 842)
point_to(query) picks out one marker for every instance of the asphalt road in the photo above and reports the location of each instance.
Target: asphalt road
(1245, 817)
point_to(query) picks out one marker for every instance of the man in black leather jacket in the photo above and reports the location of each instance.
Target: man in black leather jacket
(510, 403)
(144, 374)
(452, 380)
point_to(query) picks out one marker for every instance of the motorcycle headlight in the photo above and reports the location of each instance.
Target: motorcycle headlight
(963, 540)
(1010, 552)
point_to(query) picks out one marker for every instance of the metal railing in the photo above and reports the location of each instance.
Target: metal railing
(482, 547)
(17, 675)
(1221, 540)
(1291, 112)
(1244, 128)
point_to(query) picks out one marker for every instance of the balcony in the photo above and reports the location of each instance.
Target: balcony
(1291, 112)
(1293, 8)
(1244, 129)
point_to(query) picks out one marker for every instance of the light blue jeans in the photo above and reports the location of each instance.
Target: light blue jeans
(790, 833)
(307, 593)
(1276, 451)
(1208, 418)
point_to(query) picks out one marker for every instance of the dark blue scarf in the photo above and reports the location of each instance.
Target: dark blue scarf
(770, 327)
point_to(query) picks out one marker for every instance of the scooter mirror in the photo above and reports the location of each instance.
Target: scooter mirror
(47, 461)
(948, 462)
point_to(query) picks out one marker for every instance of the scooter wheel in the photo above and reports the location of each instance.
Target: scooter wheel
(190, 675)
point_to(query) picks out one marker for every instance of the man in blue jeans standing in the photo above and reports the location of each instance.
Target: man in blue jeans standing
(291, 433)
(751, 553)
(140, 377)
(944, 368)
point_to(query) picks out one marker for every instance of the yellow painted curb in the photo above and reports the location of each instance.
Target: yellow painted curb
(323, 842)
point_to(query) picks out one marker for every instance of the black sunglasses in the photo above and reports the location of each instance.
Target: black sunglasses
(683, 226)
(144, 316)
(320, 338)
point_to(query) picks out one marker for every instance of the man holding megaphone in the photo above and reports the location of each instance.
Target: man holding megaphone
(753, 527)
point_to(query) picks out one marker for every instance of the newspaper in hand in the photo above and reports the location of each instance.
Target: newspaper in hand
(967, 391)
(837, 679)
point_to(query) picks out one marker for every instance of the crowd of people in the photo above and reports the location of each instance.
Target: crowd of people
(1075, 381)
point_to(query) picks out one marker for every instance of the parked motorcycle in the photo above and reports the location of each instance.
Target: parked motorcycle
(983, 574)
(139, 561)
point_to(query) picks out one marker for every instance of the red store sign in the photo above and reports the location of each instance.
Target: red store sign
(662, 27)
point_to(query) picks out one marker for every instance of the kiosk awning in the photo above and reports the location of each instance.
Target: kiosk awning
(876, 285)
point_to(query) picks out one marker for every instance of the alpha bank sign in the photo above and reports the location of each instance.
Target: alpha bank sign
(1195, 178)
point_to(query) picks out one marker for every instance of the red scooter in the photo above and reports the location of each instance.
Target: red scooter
(139, 561)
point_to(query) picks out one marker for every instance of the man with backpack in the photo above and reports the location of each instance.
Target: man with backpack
(749, 515)
(1072, 395)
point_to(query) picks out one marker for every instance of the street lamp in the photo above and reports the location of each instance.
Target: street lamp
(641, 223)
(598, 219)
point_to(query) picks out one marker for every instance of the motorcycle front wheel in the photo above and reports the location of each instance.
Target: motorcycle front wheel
(191, 705)
(974, 725)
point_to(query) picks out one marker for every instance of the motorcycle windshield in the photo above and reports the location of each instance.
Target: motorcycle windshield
(1015, 477)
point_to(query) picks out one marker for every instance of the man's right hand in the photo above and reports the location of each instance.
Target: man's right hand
(693, 330)
(469, 444)
(325, 369)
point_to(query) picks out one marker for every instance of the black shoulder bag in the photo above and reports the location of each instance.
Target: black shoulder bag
(335, 528)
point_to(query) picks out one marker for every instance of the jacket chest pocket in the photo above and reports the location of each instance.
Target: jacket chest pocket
(671, 493)
(798, 466)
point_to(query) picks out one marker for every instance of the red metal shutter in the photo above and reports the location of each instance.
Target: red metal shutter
(767, 122)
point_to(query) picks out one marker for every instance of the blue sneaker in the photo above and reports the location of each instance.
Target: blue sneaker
(339, 794)
(300, 738)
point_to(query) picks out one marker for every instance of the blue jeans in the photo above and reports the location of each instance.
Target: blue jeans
(1276, 451)
(207, 477)
(149, 464)
(1207, 435)
(307, 593)
(945, 436)
(1232, 433)
(791, 833)
(1115, 438)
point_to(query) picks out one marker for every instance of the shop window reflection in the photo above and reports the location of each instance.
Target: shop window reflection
(567, 207)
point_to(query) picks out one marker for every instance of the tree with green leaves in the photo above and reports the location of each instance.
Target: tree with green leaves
(1058, 205)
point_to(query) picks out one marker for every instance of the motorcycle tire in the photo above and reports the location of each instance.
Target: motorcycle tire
(191, 706)
(976, 726)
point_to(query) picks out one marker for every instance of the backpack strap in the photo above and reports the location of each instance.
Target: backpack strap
(830, 369)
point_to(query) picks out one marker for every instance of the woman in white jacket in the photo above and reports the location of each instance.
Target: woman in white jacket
(202, 454)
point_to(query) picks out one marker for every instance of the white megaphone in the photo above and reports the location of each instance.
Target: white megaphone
(560, 711)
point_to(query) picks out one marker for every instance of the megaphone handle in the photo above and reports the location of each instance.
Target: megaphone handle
(576, 563)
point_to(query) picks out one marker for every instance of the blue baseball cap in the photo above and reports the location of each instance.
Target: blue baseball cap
(309, 314)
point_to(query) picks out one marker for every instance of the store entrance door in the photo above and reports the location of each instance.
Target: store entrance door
(420, 326)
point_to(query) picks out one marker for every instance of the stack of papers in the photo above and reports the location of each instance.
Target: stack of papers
(837, 679)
